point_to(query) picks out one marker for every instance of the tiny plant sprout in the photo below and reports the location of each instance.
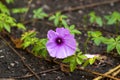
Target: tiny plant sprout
(95, 19)
(113, 43)
(96, 36)
(39, 14)
(73, 30)
(59, 19)
(19, 10)
(114, 19)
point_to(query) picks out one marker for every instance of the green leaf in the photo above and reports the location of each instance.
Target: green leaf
(73, 65)
(52, 18)
(86, 63)
(56, 22)
(111, 21)
(7, 27)
(91, 60)
(108, 41)
(64, 23)
(64, 17)
(44, 53)
(39, 14)
(79, 60)
(4, 9)
(9, 1)
(99, 21)
(110, 47)
(21, 26)
(97, 41)
(68, 59)
(118, 48)
(75, 31)
(19, 10)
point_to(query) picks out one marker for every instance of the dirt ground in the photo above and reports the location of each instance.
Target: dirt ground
(14, 68)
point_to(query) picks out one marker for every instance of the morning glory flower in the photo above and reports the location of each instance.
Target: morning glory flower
(61, 43)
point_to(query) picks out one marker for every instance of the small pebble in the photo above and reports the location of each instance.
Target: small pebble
(80, 12)
(12, 64)
(43, 74)
(1, 51)
(46, 7)
(112, 4)
(58, 78)
(2, 56)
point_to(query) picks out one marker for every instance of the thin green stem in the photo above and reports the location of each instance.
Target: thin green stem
(85, 45)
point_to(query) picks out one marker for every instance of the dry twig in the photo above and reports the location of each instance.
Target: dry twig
(109, 72)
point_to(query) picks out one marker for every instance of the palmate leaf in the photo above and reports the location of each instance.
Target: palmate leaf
(39, 14)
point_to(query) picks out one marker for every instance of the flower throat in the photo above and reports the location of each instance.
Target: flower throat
(59, 41)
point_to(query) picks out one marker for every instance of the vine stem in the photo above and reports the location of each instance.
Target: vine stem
(79, 68)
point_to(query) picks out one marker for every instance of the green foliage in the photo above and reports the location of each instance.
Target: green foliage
(9, 1)
(40, 48)
(114, 18)
(59, 19)
(39, 45)
(19, 10)
(75, 60)
(73, 30)
(96, 36)
(4, 9)
(113, 43)
(6, 22)
(90, 61)
(39, 14)
(28, 38)
(95, 19)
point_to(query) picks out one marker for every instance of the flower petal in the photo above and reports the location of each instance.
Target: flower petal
(70, 42)
(62, 31)
(64, 51)
(51, 34)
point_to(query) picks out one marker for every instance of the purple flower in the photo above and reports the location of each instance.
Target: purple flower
(61, 43)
